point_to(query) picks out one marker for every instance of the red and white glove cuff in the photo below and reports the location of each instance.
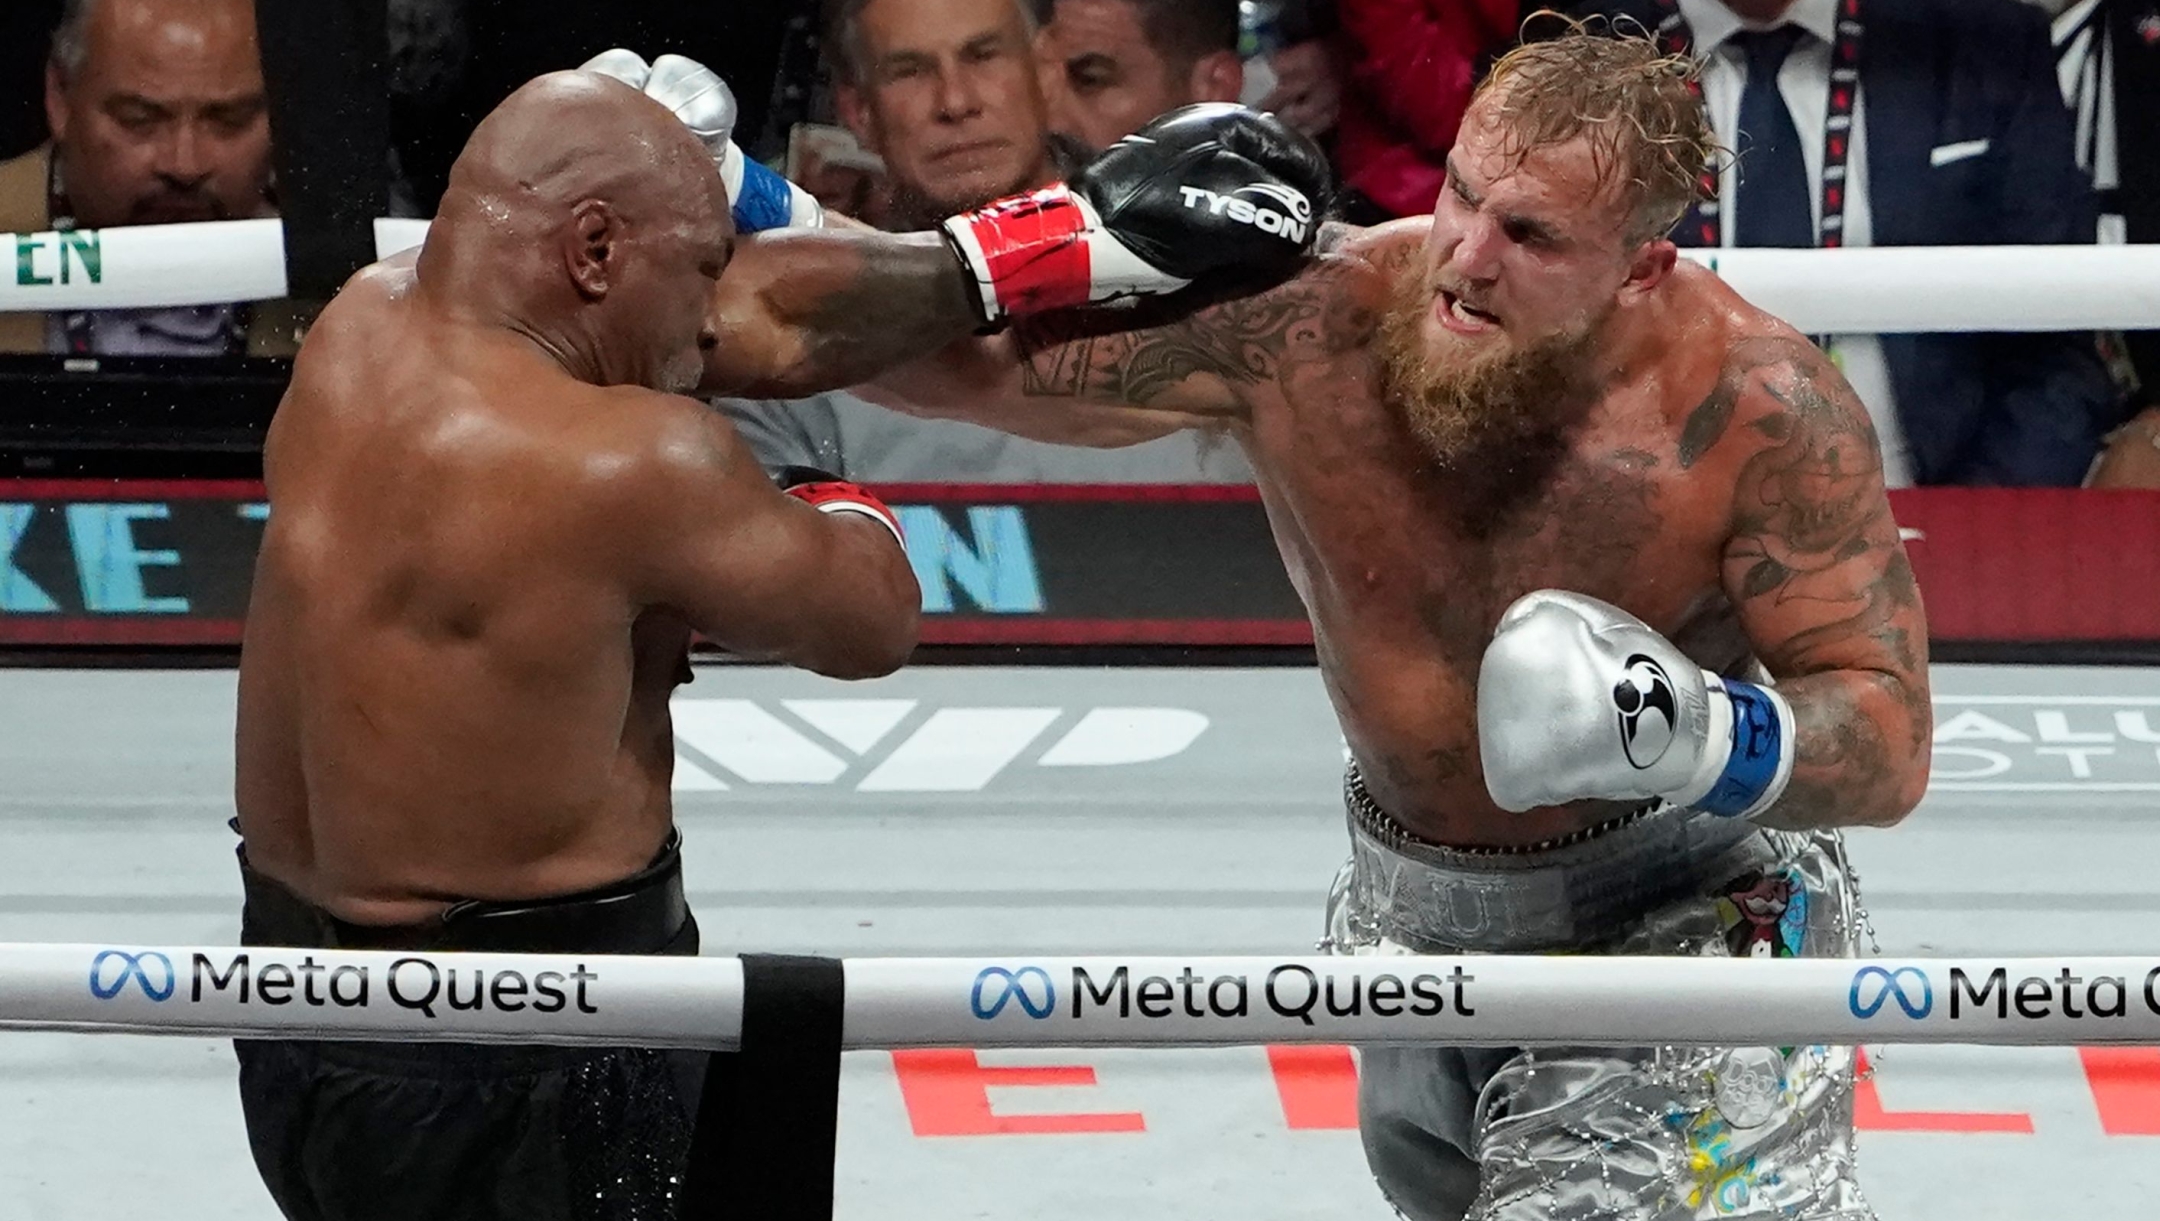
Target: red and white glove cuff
(1046, 250)
(847, 498)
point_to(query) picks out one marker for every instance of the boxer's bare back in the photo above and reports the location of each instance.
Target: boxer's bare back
(1711, 473)
(493, 531)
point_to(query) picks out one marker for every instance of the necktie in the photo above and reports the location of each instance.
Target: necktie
(1775, 201)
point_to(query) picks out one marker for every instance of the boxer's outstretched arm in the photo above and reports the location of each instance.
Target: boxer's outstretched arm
(705, 533)
(1820, 579)
(801, 311)
(1114, 377)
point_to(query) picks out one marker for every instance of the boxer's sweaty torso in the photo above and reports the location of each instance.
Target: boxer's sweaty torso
(1406, 570)
(446, 691)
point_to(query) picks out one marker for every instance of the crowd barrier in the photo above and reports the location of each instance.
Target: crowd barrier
(143, 563)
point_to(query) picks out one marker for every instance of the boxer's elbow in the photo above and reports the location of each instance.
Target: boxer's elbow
(1897, 794)
(874, 650)
(883, 623)
(1914, 728)
(1910, 786)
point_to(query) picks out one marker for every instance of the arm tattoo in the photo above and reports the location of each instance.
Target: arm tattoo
(1840, 747)
(1203, 358)
(1706, 424)
(1815, 560)
(1810, 503)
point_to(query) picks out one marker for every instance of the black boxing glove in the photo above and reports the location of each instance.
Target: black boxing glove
(829, 493)
(1211, 194)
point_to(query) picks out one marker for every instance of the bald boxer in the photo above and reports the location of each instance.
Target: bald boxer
(1555, 502)
(495, 524)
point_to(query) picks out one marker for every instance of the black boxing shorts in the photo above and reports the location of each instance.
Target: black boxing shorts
(351, 1131)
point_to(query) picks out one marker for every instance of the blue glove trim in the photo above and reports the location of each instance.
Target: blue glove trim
(765, 201)
(1758, 745)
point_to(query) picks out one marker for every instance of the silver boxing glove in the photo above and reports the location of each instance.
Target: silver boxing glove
(695, 94)
(1579, 699)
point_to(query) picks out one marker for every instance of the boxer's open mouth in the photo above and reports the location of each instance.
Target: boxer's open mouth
(1460, 316)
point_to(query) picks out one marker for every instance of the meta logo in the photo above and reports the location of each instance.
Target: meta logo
(413, 983)
(1648, 710)
(112, 970)
(996, 987)
(1873, 987)
(1290, 222)
(1995, 994)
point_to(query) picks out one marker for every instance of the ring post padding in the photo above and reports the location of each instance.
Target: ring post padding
(327, 78)
(765, 1138)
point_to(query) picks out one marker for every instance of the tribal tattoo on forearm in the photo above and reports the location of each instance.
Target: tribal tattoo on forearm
(1205, 358)
(1817, 558)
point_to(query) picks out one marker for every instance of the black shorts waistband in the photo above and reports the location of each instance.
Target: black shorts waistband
(645, 913)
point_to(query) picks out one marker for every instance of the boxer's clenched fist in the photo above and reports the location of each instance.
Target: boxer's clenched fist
(1212, 195)
(1577, 698)
(697, 96)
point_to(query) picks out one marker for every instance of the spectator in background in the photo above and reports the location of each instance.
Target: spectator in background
(1413, 64)
(2108, 59)
(1112, 65)
(1958, 137)
(949, 94)
(157, 115)
(1293, 62)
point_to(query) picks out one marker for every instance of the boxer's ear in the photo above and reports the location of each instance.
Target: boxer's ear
(591, 249)
(1653, 261)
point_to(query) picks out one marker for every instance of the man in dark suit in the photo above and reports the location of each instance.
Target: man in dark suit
(2108, 57)
(1955, 135)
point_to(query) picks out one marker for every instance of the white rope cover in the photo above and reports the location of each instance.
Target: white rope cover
(1106, 1002)
(373, 995)
(1900, 289)
(1907, 289)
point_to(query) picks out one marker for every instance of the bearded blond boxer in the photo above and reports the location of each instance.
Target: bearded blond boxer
(1555, 500)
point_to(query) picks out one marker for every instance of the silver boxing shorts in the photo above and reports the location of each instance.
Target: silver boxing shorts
(1592, 1133)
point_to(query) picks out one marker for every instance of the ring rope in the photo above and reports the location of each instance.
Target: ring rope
(1020, 1001)
(1880, 290)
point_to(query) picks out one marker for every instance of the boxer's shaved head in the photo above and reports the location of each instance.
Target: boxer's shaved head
(588, 217)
